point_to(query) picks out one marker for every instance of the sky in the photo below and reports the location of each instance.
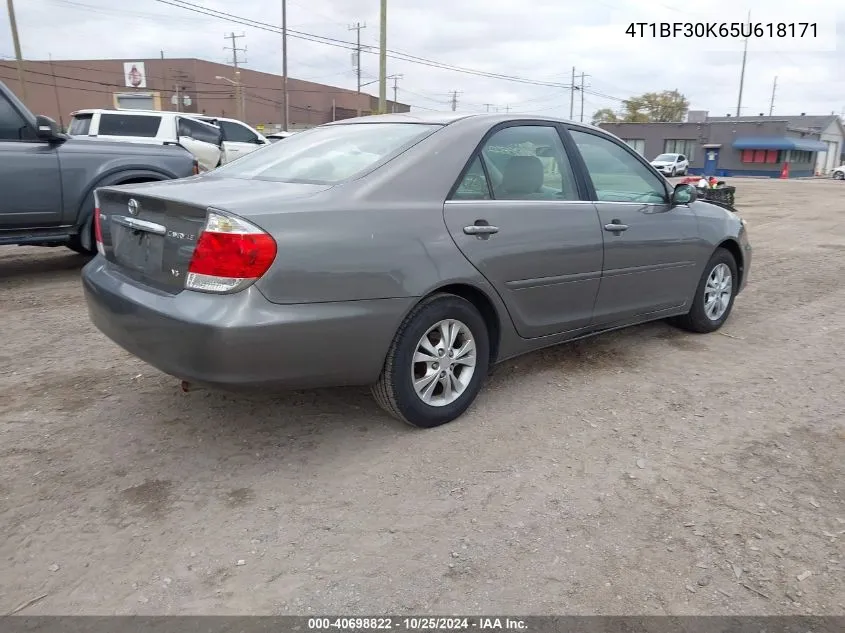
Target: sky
(503, 55)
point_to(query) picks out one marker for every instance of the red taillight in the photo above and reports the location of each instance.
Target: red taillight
(98, 230)
(230, 255)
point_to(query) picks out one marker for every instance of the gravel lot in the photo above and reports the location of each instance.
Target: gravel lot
(644, 472)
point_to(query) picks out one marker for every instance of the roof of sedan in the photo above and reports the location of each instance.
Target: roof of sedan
(445, 118)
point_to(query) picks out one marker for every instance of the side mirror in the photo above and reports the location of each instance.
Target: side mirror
(684, 194)
(46, 129)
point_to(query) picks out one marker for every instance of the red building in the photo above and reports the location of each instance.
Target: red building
(60, 87)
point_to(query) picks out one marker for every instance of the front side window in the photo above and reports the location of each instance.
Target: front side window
(237, 133)
(13, 127)
(528, 162)
(129, 125)
(616, 174)
(328, 154)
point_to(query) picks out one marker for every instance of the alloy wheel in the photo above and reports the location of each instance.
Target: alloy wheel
(443, 363)
(717, 292)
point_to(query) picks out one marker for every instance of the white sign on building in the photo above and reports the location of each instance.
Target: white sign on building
(135, 74)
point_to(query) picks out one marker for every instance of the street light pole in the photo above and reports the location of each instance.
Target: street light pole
(382, 60)
(285, 66)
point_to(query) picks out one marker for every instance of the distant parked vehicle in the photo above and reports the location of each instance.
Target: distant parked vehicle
(213, 140)
(671, 164)
(839, 173)
(408, 252)
(47, 179)
(278, 136)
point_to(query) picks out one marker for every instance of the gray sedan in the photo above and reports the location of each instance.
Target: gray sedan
(406, 252)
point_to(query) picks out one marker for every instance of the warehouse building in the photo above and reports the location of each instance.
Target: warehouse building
(58, 87)
(743, 146)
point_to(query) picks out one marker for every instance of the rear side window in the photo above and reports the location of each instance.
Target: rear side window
(80, 125)
(199, 131)
(129, 125)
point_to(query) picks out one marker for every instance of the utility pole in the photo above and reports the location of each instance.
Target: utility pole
(395, 79)
(455, 94)
(582, 96)
(382, 59)
(572, 96)
(17, 43)
(239, 95)
(56, 91)
(285, 108)
(357, 27)
(742, 73)
(772, 102)
(488, 106)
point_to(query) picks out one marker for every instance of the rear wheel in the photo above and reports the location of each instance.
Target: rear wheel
(78, 244)
(436, 363)
(839, 175)
(714, 297)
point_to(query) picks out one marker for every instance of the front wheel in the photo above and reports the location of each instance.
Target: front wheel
(839, 175)
(714, 296)
(436, 363)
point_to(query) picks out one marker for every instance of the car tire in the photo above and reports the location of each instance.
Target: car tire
(395, 390)
(672, 173)
(705, 316)
(838, 175)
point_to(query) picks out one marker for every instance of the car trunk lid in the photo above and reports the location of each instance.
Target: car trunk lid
(149, 231)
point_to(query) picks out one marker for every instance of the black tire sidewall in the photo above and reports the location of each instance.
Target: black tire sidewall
(414, 410)
(697, 312)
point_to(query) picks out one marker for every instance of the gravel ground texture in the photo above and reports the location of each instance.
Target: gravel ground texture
(648, 471)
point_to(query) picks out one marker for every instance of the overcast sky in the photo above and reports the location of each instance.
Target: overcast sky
(536, 40)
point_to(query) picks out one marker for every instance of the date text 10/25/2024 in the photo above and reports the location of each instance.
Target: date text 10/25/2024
(418, 624)
(723, 30)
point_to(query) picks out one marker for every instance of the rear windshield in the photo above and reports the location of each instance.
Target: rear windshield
(330, 154)
(80, 124)
(129, 125)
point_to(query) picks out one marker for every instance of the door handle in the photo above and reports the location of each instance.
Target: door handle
(615, 227)
(480, 229)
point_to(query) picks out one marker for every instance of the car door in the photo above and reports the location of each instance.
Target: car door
(649, 245)
(238, 140)
(30, 180)
(203, 140)
(518, 215)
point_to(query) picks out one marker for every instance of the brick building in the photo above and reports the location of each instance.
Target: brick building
(57, 88)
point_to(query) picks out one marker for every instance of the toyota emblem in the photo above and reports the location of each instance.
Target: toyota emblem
(133, 207)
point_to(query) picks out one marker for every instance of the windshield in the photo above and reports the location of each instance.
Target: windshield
(669, 158)
(329, 154)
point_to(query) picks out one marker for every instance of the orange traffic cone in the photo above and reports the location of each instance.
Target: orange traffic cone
(784, 173)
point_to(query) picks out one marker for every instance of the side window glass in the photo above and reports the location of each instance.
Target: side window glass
(474, 186)
(237, 133)
(681, 158)
(529, 162)
(13, 127)
(128, 125)
(80, 125)
(199, 131)
(617, 175)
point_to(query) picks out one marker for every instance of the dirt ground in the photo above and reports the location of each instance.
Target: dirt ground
(648, 471)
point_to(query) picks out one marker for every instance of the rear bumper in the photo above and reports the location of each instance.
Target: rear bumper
(242, 340)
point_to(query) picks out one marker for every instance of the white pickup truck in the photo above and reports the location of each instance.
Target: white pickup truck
(213, 140)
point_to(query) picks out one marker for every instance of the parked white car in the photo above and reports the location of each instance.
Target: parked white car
(213, 140)
(671, 164)
(278, 136)
(839, 172)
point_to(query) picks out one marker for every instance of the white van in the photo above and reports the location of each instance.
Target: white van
(214, 141)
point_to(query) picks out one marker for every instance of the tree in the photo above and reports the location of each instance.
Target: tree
(668, 106)
(605, 115)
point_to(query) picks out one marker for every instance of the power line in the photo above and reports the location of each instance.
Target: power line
(330, 41)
